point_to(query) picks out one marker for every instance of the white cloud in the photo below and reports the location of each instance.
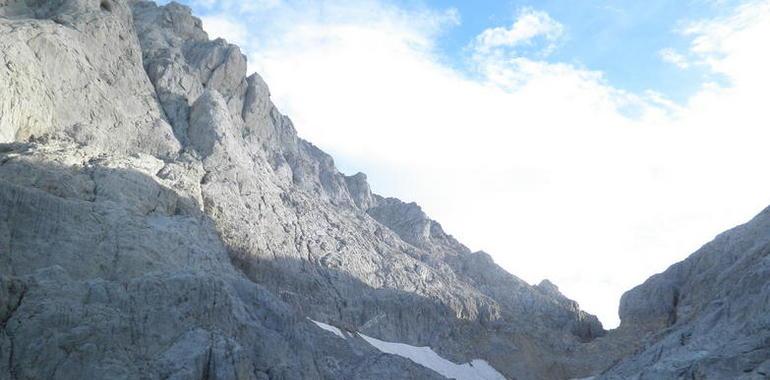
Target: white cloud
(672, 56)
(238, 5)
(220, 26)
(258, 5)
(544, 165)
(529, 24)
(733, 45)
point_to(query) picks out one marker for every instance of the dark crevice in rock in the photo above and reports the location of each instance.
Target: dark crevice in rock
(13, 289)
(207, 369)
(11, 367)
(15, 286)
(672, 316)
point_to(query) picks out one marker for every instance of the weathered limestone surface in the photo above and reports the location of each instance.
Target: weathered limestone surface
(72, 70)
(110, 271)
(707, 317)
(160, 218)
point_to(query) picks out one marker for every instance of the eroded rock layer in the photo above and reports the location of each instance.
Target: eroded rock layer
(160, 218)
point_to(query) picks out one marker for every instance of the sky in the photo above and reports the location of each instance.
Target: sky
(593, 143)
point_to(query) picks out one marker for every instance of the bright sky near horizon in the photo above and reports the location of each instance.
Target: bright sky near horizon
(593, 143)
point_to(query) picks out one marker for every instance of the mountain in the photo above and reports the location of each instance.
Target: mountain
(160, 218)
(707, 317)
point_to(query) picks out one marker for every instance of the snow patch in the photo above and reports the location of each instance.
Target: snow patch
(329, 328)
(477, 369)
(426, 357)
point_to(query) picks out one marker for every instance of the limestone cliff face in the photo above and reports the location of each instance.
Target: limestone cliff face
(72, 70)
(160, 218)
(707, 317)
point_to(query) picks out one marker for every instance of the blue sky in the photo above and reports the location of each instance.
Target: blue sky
(593, 143)
(620, 38)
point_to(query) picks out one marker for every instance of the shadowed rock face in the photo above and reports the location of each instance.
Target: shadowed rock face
(160, 218)
(109, 271)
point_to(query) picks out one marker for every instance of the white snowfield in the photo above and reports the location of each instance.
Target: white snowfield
(425, 356)
(330, 329)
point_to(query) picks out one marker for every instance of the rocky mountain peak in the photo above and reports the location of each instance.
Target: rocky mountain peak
(160, 218)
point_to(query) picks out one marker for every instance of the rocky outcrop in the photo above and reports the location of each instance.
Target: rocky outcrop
(72, 70)
(107, 272)
(160, 218)
(707, 317)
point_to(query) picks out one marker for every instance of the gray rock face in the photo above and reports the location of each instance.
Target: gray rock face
(72, 70)
(181, 61)
(708, 316)
(108, 273)
(160, 218)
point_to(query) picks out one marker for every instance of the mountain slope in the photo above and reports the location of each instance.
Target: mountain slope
(160, 218)
(707, 317)
(147, 174)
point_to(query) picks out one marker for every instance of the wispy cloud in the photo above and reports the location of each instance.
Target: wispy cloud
(238, 5)
(733, 45)
(530, 24)
(673, 57)
(221, 26)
